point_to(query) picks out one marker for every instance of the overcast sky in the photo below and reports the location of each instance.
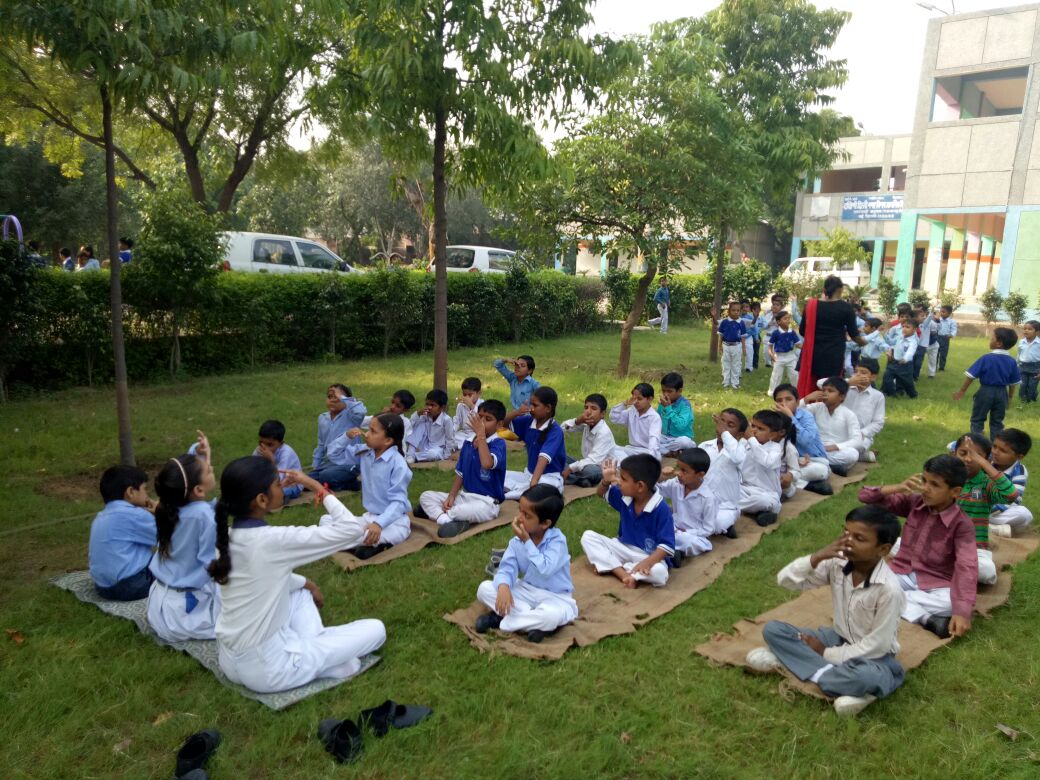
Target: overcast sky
(882, 42)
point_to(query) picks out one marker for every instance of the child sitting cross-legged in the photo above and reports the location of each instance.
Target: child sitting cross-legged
(433, 431)
(760, 473)
(936, 565)
(838, 425)
(122, 536)
(643, 548)
(333, 465)
(644, 424)
(695, 509)
(401, 403)
(1010, 446)
(271, 445)
(727, 452)
(541, 601)
(676, 414)
(813, 465)
(535, 423)
(855, 660)
(868, 404)
(597, 443)
(479, 477)
(468, 403)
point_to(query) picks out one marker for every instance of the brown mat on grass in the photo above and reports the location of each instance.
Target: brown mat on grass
(813, 608)
(424, 532)
(606, 608)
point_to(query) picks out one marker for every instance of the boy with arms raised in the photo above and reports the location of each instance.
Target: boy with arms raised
(855, 660)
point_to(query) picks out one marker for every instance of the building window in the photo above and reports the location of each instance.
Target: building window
(897, 181)
(993, 93)
(850, 180)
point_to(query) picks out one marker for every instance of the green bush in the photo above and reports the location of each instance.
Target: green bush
(888, 291)
(1015, 305)
(951, 298)
(990, 304)
(917, 298)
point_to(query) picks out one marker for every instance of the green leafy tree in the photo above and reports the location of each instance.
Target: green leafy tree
(748, 281)
(451, 84)
(990, 304)
(951, 298)
(842, 246)
(21, 304)
(888, 292)
(919, 298)
(1015, 305)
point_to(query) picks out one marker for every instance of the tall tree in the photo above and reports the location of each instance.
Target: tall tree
(459, 84)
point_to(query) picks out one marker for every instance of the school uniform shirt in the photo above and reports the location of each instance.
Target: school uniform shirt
(924, 334)
(869, 407)
(332, 428)
(1019, 475)
(553, 449)
(978, 499)
(761, 468)
(597, 443)
(784, 341)
(766, 323)
(653, 528)
(193, 547)
(122, 538)
(384, 484)
(808, 441)
(477, 479)
(644, 430)
(427, 432)
(691, 511)
(893, 334)
(367, 420)
(749, 323)
(732, 331)
(519, 389)
(866, 616)
(1029, 351)
(676, 418)
(461, 419)
(840, 427)
(947, 326)
(285, 459)
(904, 347)
(546, 565)
(723, 477)
(996, 368)
(938, 547)
(875, 346)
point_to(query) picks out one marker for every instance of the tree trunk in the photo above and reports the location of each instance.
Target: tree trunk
(716, 300)
(126, 438)
(175, 351)
(625, 354)
(440, 252)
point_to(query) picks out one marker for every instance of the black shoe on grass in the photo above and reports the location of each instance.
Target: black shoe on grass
(487, 621)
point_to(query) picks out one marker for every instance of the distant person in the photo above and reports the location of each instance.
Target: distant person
(85, 260)
(34, 255)
(663, 300)
(126, 250)
(67, 261)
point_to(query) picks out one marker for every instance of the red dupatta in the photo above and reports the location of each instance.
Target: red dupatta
(806, 379)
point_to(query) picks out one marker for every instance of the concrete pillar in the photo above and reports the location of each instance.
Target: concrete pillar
(953, 266)
(971, 264)
(994, 271)
(904, 271)
(933, 260)
(878, 262)
(1008, 247)
(985, 265)
(796, 249)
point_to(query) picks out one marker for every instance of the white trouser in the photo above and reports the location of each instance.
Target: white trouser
(533, 608)
(865, 446)
(726, 517)
(169, 617)
(923, 604)
(428, 453)
(754, 500)
(749, 354)
(471, 507)
(394, 533)
(933, 357)
(461, 437)
(846, 456)
(765, 348)
(607, 553)
(518, 481)
(302, 650)
(785, 362)
(790, 491)
(1016, 515)
(731, 355)
(987, 568)
(674, 443)
(691, 542)
(816, 469)
(620, 453)
(662, 320)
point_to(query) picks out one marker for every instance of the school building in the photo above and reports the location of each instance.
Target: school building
(956, 204)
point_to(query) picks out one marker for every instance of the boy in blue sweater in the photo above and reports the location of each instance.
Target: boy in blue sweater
(122, 536)
(998, 375)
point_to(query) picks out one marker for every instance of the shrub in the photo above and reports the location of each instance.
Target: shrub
(747, 281)
(990, 304)
(1015, 305)
(888, 295)
(951, 298)
(919, 298)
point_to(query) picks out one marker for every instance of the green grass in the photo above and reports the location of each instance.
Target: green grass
(643, 705)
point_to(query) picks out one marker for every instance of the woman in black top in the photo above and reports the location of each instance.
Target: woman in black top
(825, 331)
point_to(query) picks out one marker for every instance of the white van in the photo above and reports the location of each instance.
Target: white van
(852, 274)
(270, 253)
(489, 259)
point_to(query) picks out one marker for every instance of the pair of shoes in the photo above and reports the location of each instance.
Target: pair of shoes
(731, 532)
(487, 621)
(390, 714)
(820, 486)
(765, 518)
(454, 528)
(496, 558)
(847, 706)
(762, 659)
(366, 551)
(1000, 529)
(677, 558)
(869, 457)
(841, 471)
(940, 626)
(419, 512)
(342, 738)
(194, 753)
(536, 635)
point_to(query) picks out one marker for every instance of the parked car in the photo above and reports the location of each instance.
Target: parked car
(270, 253)
(489, 259)
(852, 274)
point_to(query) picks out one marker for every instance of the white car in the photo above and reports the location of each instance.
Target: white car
(270, 253)
(488, 259)
(852, 274)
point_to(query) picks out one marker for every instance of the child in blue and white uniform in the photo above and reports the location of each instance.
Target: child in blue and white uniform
(1010, 447)
(184, 601)
(433, 431)
(272, 446)
(338, 469)
(546, 448)
(998, 375)
(733, 331)
(1029, 360)
(813, 466)
(749, 319)
(784, 343)
(122, 536)
(532, 589)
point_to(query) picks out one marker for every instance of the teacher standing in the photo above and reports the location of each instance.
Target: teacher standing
(826, 324)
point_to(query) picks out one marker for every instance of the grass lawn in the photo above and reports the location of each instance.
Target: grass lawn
(85, 695)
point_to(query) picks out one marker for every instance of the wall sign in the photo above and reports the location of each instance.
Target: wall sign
(872, 207)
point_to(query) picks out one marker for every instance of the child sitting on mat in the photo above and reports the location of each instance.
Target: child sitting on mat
(480, 477)
(1010, 447)
(468, 403)
(643, 422)
(543, 438)
(271, 445)
(433, 432)
(855, 660)
(597, 443)
(541, 601)
(122, 536)
(643, 548)
(695, 509)
(727, 452)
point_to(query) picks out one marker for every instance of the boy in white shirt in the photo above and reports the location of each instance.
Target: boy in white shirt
(837, 423)
(597, 443)
(468, 404)
(433, 432)
(760, 489)
(868, 404)
(727, 453)
(695, 508)
(643, 422)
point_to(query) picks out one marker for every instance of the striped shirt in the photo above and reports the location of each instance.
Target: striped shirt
(1019, 475)
(977, 500)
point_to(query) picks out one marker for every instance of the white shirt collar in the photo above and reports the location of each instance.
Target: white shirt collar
(651, 503)
(543, 426)
(999, 352)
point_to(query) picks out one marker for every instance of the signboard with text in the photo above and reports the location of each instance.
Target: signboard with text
(872, 207)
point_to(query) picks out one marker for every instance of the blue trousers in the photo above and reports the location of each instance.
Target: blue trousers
(919, 355)
(899, 377)
(1030, 374)
(989, 400)
(856, 677)
(338, 477)
(944, 351)
(589, 476)
(129, 588)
